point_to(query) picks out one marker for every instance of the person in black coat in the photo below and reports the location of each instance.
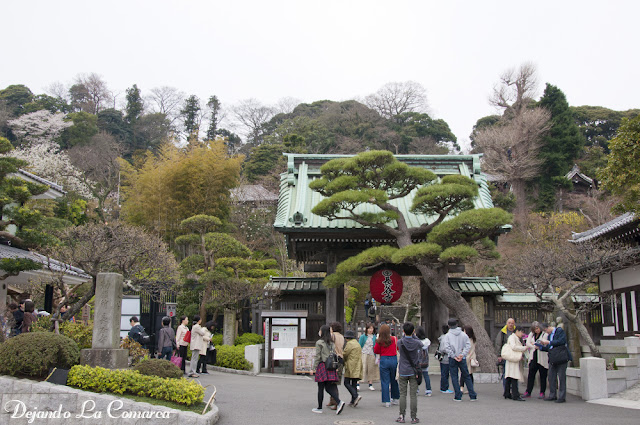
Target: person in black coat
(557, 341)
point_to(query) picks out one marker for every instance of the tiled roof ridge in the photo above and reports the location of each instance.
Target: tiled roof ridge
(42, 180)
(605, 228)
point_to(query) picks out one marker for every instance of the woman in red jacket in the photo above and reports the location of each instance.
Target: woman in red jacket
(387, 347)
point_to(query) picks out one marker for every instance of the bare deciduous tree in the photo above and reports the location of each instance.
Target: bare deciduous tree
(97, 94)
(99, 161)
(511, 150)
(142, 258)
(516, 90)
(286, 105)
(166, 100)
(394, 98)
(251, 115)
(557, 272)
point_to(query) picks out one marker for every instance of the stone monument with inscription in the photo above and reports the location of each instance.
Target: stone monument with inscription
(105, 349)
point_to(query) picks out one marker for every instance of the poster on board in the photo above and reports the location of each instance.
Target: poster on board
(284, 336)
(303, 360)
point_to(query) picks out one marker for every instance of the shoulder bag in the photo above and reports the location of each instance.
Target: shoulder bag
(332, 362)
(559, 355)
(509, 355)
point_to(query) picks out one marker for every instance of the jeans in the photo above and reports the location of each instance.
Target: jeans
(413, 389)
(166, 352)
(388, 366)
(427, 380)
(533, 368)
(444, 376)
(193, 364)
(351, 385)
(558, 372)
(453, 369)
(332, 390)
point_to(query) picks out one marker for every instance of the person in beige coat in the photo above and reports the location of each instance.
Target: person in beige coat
(538, 360)
(514, 369)
(352, 366)
(197, 345)
(472, 357)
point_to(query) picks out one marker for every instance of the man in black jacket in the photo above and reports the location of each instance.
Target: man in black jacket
(557, 341)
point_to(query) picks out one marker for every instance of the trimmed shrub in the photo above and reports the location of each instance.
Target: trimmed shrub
(249, 339)
(217, 339)
(34, 353)
(101, 380)
(79, 332)
(136, 352)
(159, 367)
(232, 356)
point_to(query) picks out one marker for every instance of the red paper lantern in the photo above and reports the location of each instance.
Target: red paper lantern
(386, 286)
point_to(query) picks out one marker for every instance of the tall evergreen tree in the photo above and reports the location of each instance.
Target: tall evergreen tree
(191, 115)
(214, 106)
(135, 105)
(560, 146)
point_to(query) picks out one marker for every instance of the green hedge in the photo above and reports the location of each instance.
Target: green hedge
(232, 356)
(34, 353)
(216, 340)
(79, 332)
(249, 339)
(159, 367)
(101, 380)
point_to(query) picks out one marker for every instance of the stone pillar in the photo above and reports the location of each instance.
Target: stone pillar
(105, 351)
(3, 296)
(593, 378)
(229, 327)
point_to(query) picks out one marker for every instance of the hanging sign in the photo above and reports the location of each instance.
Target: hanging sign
(386, 286)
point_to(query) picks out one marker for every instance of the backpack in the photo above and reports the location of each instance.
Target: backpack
(423, 358)
(144, 337)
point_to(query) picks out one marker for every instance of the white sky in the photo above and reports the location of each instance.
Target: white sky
(335, 50)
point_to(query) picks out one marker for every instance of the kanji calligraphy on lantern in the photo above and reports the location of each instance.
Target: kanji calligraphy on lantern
(386, 286)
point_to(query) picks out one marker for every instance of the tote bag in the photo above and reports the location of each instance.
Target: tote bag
(509, 355)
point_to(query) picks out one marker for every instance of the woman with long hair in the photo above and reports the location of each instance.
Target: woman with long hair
(370, 370)
(182, 344)
(387, 347)
(472, 358)
(327, 379)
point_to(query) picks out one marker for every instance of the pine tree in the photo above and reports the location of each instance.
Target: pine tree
(560, 146)
(191, 116)
(214, 106)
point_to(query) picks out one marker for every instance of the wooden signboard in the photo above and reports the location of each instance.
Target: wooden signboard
(303, 360)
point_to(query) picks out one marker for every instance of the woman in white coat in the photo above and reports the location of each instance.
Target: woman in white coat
(197, 345)
(538, 360)
(513, 368)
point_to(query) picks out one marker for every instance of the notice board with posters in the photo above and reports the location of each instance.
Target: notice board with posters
(303, 358)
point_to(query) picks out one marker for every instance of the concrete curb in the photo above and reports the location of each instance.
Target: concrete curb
(59, 404)
(233, 371)
(617, 402)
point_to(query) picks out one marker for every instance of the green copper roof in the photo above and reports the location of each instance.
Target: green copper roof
(477, 285)
(298, 284)
(296, 199)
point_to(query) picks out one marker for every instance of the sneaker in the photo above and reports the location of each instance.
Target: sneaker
(415, 420)
(357, 400)
(340, 407)
(526, 394)
(387, 404)
(316, 410)
(541, 395)
(446, 392)
(394, 401)
(400, 419)
(457, 399)
(371, 388)
(427, 393)
(474, 399)
(205, 372)
(358, 387)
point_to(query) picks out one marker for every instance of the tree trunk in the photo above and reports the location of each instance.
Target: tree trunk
(437, 281)
(85, 299)
(582, 329)
(520, 211)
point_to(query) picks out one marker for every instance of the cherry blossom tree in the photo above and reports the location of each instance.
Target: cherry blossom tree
(38, 126)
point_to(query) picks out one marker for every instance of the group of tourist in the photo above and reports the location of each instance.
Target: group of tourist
(399, 363)
(20, 317)
(171, 345)
(546, 352)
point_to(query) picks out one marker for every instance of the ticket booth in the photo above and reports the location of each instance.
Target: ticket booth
(283, 332)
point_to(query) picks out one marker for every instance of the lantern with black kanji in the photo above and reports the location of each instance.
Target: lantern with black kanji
(386, 286)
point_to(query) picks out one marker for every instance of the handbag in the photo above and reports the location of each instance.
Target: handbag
(177, 360)
(187, 337)
(474, 363)
(439, 355)
(509, 355)
(332, 362)
(417, 372)
(559, 355)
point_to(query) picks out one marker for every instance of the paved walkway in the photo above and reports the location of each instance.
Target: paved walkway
(287, 400)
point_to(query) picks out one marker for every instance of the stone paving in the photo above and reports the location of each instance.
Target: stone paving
(287, 400)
